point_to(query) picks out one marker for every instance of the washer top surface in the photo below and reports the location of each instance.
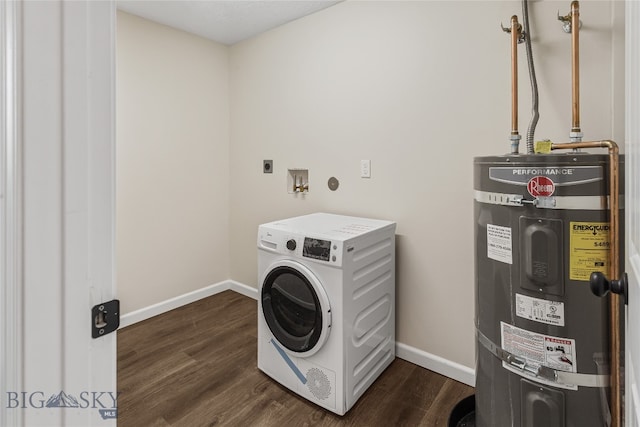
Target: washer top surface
(335, 227)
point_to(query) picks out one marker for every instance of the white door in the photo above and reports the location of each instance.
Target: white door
(56, 212)
(632, 212)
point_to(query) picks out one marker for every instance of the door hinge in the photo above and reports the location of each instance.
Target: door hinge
(105, 318)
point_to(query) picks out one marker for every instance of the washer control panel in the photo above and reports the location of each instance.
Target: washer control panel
(316, 249)
(300, 246)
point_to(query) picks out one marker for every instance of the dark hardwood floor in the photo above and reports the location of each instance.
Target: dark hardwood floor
(196, 366)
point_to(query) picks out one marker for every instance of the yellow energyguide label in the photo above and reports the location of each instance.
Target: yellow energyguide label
(589, 249)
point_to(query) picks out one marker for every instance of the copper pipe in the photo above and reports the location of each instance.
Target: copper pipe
(575, 65)
(516, 30)
(614, 268)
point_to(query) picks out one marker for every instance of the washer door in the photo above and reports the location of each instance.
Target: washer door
(296, 308)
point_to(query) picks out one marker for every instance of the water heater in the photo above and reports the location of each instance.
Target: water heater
(542, 228)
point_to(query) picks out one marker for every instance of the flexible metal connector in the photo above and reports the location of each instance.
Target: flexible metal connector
(532, 77)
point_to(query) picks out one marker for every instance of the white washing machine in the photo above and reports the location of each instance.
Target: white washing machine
(326, 305)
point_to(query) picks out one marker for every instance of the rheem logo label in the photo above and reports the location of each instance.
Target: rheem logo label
(541, 186)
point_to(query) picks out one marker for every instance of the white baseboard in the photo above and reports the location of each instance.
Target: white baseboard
(241, 288)
(421, 358)
(437, 364)
(175, 302)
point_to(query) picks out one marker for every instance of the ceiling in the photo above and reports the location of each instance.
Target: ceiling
(224, 21)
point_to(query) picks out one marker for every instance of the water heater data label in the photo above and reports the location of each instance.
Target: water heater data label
(540, 310)
(539, 350)
(589, 249)
(499, 243)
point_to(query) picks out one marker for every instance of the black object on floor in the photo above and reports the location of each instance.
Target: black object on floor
(464, 413)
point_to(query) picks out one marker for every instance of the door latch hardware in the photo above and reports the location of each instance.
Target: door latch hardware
(105, 318)
(601, 286)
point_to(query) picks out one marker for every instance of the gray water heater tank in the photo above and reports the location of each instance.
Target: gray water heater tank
(542, 353)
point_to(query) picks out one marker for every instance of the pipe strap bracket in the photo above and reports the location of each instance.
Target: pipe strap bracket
(552, 202)
(561, 378)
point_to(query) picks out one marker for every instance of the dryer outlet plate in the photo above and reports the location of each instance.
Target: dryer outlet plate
(267, 166)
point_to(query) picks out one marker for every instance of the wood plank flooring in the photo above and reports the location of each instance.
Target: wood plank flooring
(196, 366)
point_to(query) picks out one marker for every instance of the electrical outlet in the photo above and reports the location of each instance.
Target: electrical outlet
(365, 168)
(267, 166)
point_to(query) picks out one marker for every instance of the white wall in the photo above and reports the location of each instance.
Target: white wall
(172, 162)
(420, 88)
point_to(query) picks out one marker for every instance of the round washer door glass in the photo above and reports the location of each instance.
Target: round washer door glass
(292, 309)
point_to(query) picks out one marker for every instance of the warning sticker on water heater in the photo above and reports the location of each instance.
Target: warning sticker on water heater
(539, 350)
(499, 243)
(589, 249)
(540, 310)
